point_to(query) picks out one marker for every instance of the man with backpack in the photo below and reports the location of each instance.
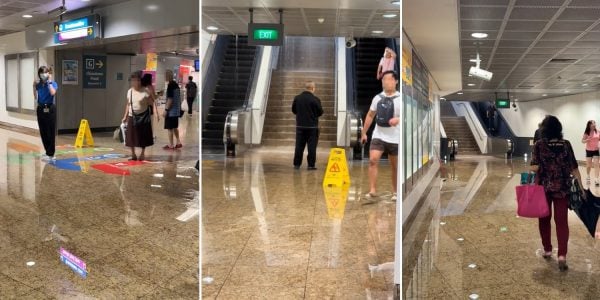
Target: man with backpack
(191, 90)
(385, 111)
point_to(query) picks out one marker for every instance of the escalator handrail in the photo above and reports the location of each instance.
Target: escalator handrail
(251, 86)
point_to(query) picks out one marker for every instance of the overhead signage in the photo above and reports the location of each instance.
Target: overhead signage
(197, 65)
(94, 73)
(502, 103)
(86, 28)
(265, 34)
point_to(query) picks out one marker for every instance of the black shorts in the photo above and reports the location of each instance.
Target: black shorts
(171, 122)
(389, 148)
(594, 153)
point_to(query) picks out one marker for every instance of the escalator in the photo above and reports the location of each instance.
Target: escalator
(231, 89)
(367, 55)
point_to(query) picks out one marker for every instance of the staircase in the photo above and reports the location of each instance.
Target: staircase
(368, 54)
(458, 128)
(230, 92)
(280, 122)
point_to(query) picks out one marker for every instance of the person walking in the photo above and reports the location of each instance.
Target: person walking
(191, 90)
(385, 111)
(554, 163)
(172, 111)
(591, 138)
(138, 117)
(387, 62)
(307, 108)
(44, 92)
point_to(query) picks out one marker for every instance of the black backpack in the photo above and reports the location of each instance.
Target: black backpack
(193, 90)
(385, 110)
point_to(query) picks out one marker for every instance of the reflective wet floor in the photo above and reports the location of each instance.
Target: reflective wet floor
(466, 241)
(270, 232)
(129, 231)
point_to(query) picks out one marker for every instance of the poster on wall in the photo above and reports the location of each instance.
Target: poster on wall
(151, 61)
(420, 78)
(70, 72)
(406, 67)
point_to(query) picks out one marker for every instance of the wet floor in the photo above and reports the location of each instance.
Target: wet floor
(270, 232)
(132, 229)
(466, 241)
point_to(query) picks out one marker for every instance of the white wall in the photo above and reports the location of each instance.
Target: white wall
(12, 44)
(572, 111)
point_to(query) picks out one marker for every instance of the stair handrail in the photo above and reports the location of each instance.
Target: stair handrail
(273, 66)
(464, 110)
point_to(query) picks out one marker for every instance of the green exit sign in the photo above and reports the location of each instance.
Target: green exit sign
(502, 103)
(265, 34)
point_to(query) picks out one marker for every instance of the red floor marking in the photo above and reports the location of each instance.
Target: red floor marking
(115, 168)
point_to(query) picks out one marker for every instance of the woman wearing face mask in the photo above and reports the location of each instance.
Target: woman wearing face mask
(44, 91)
(139, 102)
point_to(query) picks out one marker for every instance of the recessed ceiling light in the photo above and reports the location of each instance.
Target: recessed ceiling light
(460, 93)
(377, 31)
(389, 16)
(585, 84)
(470, 75)
(212, 28)
(479, 35)
(40, 31)
(544, 95)
(566, 91)
(27, 16)
(442, 98)
(152, 7)
(396, 2)
(321, 20)
(470, 84)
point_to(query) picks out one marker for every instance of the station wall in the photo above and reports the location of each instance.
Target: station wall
(13, 44)
(572, 111)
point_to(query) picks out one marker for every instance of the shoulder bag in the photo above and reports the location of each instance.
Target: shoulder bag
(141, 118)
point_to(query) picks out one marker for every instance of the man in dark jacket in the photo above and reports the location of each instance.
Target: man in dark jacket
(307, 108)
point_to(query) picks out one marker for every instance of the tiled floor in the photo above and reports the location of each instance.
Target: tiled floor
(468, 242)
(269, 233)
(138, 234)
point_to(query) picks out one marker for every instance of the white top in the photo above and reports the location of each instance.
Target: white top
(140, 101)
(387, 134)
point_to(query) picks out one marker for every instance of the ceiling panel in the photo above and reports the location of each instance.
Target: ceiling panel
(533, 13)
(483, 13)
(570, 26)
(592, 14)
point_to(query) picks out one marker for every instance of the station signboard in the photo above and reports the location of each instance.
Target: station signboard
(86, 28)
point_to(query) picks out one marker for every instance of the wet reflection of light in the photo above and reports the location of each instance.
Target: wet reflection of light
(460, 239)
(158, 186)
(473, 296)
(230, 191)
(183, 176)
(30, 263)
(472, 266)
(193, 207)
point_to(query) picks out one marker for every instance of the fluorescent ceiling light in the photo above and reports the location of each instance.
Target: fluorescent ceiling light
(27, 16)
(389, 16)
(544, 95)
(479, 35)
(585, 84)
(396, 2)
(377, 31)
(40, 31)
(212, 28)
(152, 7)
(470, 84)
(460, 93)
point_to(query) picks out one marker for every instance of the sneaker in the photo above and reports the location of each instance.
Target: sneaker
(311, 168)
(47, 158)
(370, 198)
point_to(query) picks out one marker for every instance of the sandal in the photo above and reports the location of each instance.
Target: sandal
(178, 146)
(168, 147)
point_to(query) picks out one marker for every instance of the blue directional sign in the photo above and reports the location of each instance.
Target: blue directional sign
(85, 28)
(94, 72)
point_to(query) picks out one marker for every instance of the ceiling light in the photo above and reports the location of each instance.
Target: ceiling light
(40, 31)
(470, 84)
(396, 2)
(585, 84)
(152, 7)
(85, 0)
(27, 16)
(321, 20)
(460, 93)
(479, 35)
(389, 16)
(566, 91)
(442, 98)
(212, 28)
(377, 31)
(544, 95)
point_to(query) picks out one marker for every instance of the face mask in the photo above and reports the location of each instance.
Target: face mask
(44, 76)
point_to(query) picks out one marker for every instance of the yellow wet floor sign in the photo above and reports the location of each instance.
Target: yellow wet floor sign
(335, 198)
(336, 174)
(84, 135)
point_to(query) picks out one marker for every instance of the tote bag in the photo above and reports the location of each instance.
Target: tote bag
(531, 201)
